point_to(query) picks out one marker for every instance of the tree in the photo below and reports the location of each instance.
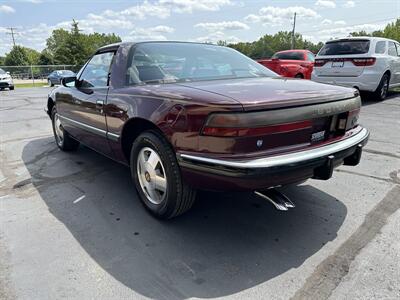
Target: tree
(46, 58)
(391, 31)
(74, 47)
(2, 60)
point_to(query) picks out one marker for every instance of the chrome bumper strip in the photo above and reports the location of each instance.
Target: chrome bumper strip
(284, 159)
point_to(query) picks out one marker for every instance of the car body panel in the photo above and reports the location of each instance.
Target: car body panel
(180, 110)
(291, 67)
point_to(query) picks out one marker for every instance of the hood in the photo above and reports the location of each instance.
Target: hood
(266, 93)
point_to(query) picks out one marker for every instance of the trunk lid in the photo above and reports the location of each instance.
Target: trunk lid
(270, 93)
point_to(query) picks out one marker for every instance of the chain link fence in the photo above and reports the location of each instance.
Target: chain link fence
(35, 73)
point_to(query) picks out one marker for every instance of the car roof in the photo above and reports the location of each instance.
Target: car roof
(115, 46)
(371, 38)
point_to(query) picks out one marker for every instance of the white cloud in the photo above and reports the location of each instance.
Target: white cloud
(349, 4)
(326, 22)
(150, 33)
(217, 36)
(271, 15)
(221, 26)
(6, 9)
(33, 1)
(340, 23)
(189, 6)
(325, 4)
(339, 32)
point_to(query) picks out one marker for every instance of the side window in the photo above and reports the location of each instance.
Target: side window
(96, 71)
(380, 47)
(392, 49)
(310, 57)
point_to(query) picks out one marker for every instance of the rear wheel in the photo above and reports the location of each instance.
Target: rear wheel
(49, 82)
(299, 76)
(156, 175)
(63, 140)
(383, 88)
(11, 88)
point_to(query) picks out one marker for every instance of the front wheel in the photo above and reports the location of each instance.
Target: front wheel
(157, 177)
(63, 140)
(383, 88)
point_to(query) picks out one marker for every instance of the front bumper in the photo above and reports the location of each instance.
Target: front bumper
(5, 83)
(273, 170)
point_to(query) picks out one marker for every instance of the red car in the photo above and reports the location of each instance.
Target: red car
(188, 116)
(291, 63)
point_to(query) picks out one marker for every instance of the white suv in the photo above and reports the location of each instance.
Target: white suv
(367, 63)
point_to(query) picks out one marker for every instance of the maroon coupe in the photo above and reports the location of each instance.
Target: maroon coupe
(188, 116)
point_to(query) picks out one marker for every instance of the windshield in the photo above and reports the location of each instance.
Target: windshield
(2, 71)
(289, 55)
(345, 47)
(182, 62)
(65, 72)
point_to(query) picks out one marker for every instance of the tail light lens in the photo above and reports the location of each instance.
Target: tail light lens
(239, 125)
(320, 62)
(361, 62)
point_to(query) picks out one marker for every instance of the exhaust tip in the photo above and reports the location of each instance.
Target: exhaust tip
(277, 198)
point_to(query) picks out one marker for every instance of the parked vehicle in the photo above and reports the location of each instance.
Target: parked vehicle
(6, 80)
(291, 63)
(369, 64)
(217, 121)
(56, 76)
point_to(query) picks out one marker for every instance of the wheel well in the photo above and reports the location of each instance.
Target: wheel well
(299, 75)
(387, 72)
(50, 105)
(132, 129)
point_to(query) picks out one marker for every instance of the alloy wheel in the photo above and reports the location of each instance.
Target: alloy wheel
(58, 130)
(151, 175)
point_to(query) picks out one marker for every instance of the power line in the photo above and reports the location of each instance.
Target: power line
(12, 32)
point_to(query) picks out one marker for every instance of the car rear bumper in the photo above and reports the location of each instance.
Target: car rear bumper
(367, 81)
(221, 174)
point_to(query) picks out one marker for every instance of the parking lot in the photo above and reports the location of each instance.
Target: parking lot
(72, 225)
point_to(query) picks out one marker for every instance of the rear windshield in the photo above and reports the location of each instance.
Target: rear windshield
(170, 62)
(289, 55)
(345, 47)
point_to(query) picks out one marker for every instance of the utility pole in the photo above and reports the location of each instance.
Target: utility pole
(12, 32)
(293, 31)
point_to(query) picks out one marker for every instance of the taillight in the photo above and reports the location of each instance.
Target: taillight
(320, 62)
(361, 62)
(238, 125)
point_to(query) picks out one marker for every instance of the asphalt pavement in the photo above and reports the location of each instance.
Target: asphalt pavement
(72, 226)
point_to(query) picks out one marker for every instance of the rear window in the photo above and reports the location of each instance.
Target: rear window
(380, 47)
(345, 47)
(289, 55)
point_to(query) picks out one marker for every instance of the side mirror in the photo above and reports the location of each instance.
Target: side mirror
(68, 81)
(8, 73)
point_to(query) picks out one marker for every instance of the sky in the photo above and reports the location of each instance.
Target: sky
(191, 20)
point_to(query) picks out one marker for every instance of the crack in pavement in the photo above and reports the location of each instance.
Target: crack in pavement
(330, 272)
(381, 153)
(393, 176)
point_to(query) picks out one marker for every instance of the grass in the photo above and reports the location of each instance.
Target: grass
(29, 85)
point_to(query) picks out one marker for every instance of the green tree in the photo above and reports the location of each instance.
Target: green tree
(2, 60)
(17, 57)
(74, 47)
(46, 58)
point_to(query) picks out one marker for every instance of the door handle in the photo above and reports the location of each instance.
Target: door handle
(99, 105)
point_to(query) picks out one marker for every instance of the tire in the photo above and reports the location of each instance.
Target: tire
(63, 140)
(50, 83)
(153, 160)
(11, 88)
(383, 88)
(299, 76)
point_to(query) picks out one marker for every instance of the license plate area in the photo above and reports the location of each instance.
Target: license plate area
(337, 64)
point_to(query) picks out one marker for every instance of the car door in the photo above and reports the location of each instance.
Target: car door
(83, 112)
(396, 70)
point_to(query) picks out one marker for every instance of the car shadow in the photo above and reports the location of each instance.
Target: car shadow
(225, 244)
(369, 99)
